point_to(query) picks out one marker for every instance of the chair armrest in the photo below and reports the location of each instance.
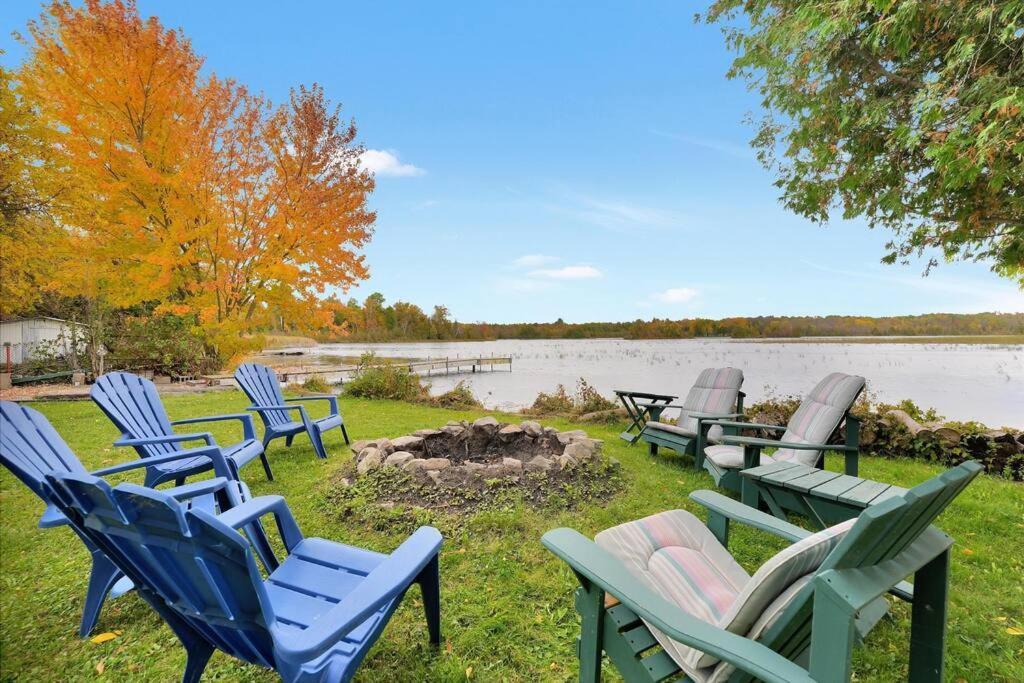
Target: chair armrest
(599, 567)
(716, 416)
(216, 456)
(660, 406)
(384, 583)
(196, 489)
(332, 399)
(744, 514)
(168, 438)
(52, 517)
(644, 394)
(251, 510)
(770, 443)
(248, 426)
(747, 425)
(259, 409)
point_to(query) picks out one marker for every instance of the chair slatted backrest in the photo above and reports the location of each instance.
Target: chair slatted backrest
(819, 415)
(31, 448)
(715, 391)
(192, 563)
(134, 406)
(260, 384)
(881, 533)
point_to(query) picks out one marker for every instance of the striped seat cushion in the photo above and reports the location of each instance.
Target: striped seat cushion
(730, 457)
(713, 392)
(818, 416)
(675, 554)
(671, 429)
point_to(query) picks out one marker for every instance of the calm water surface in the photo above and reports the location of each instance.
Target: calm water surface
(961, 381)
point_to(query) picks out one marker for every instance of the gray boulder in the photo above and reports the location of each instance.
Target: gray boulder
(370, 462)
(408, 443)
(539, 464)
(399, 459)
(532, 428)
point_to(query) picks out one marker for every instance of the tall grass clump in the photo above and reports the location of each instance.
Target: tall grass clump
(586, 399)
(382, 379)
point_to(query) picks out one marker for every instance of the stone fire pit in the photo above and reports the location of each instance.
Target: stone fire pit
(461, 452)
(462, 464)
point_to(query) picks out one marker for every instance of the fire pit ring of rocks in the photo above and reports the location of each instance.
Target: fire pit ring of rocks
(464, 454)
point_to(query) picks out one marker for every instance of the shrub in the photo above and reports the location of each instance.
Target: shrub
(383, 379)
(459, 397)
(586, 399)
(165, 344)
(558, 403)
(316, 385)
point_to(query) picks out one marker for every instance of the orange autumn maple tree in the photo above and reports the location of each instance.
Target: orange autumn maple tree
(189, 189)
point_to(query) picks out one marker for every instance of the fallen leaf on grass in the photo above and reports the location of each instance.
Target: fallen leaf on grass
(100, 667)
(469, 672)
(1015, 631)
(967, 551)
(102, 638)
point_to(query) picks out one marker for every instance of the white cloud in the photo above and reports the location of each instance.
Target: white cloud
(568, 273)
(534, 260)
(676, 295)
(386, 163)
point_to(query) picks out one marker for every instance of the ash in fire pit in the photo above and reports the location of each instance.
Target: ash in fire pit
(463, 457)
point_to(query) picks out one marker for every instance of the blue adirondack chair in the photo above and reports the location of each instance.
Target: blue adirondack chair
(261, 386)
(133, 405)
(313, 618)
(31, 449)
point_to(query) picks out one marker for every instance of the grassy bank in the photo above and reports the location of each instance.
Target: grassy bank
(507, 605)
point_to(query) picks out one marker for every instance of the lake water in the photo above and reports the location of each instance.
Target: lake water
(961, 381)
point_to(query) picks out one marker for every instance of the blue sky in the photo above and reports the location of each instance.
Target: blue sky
(581, 160)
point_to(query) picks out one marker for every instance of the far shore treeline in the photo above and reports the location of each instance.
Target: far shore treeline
(373, 321)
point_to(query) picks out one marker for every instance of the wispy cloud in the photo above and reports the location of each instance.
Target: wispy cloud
(383, 162)
(568, 273)
(721, 146)
(617, 215)
(533, 261)
(676, 295)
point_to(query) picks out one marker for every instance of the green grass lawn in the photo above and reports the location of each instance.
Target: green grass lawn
(506, 603)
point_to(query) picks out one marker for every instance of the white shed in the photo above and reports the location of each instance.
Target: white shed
(25, 334)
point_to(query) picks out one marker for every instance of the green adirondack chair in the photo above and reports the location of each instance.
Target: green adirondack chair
(804, 440)
(664, 598)
(715, 395)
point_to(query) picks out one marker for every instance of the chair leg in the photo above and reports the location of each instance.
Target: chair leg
(179, 481)
(318, 442)
(592, 615)
(652, 448)
(344, 433)
(198, 655)
(288, 440)
(102, 578)
(266, 466)
(928, 620)
(430, 585)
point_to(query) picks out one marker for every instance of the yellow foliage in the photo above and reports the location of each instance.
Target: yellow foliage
(186, 189)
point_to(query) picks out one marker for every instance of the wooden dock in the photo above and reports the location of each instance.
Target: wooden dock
(426, 368)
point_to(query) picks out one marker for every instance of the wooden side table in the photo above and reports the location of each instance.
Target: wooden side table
(824, 497)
